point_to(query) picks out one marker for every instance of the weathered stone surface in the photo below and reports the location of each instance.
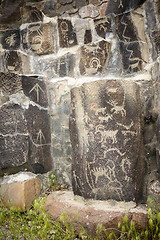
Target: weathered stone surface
(122, 6)
(49, 8)
(39, 38)
(10, 11)
(13, 150)
(35, 89)
(65, 65)
(67, 35)
(38, 125)
(20, 190)
(125, 28)
(94, 57)
(103, 26)
(156, 40)
(102, 10)
(39, 157)
(131, 57)
(10, 83)
(31, 14)
(89, 11)
(10, 39)
(90, 213)
(59, 95)
(13, 61)
(81, 3)
(88, 37)
(95, 2)
(12, 120)
(105, 127)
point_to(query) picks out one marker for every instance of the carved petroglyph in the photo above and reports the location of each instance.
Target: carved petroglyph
(11, 40)
(39, 38)
(126, 165)
(67, 36)
(40, 137)
(117, 109)
(103, 159)
(37, 89)
(106, 134)
(94, 57)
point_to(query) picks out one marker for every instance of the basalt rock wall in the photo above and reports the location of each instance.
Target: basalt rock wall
(97, 64)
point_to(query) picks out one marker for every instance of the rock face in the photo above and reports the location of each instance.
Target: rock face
(105, 126)
(20, 190)
(90, 213)
(49, 47)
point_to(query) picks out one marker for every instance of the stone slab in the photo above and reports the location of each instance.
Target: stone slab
(10, 83)
(10, 39)
(93, 57)
(39, 38)
(13, 151)
(121, 6)
(38, 125)
(12, 120)
(67, 35)
(20, 190)
(35, 89)
(105, 129)
(13, 61)
(89, 213)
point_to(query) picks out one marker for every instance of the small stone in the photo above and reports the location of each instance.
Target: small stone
(20, 190)
(102, 10)
(89, 11)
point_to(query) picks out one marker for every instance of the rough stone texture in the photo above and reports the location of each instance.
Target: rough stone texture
(10, 11)
(122, 6)
(67, 36)
(39, 38)
(37, 120)
(13, 151)
(35, 89)
(20, 190)
(105, 126)
(59, 95)
(10, 83)
(12, 120)
(103, 26)
(90, 213)
(13, 61)
(43, 56)
(89, 11)
(94, 57)
(10, 39)
(31, 14)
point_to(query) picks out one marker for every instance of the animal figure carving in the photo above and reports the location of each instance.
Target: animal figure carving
(117, 108)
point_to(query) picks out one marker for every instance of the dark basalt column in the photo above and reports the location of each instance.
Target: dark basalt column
(105, 130)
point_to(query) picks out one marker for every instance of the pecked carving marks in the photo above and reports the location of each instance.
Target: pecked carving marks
(67, 36)
(10, 83)
(128, 43)
(35, 89)
(94, 57)
(117, 7)
(39, 38)
(105, 135)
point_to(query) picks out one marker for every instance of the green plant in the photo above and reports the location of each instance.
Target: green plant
(35, 224)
